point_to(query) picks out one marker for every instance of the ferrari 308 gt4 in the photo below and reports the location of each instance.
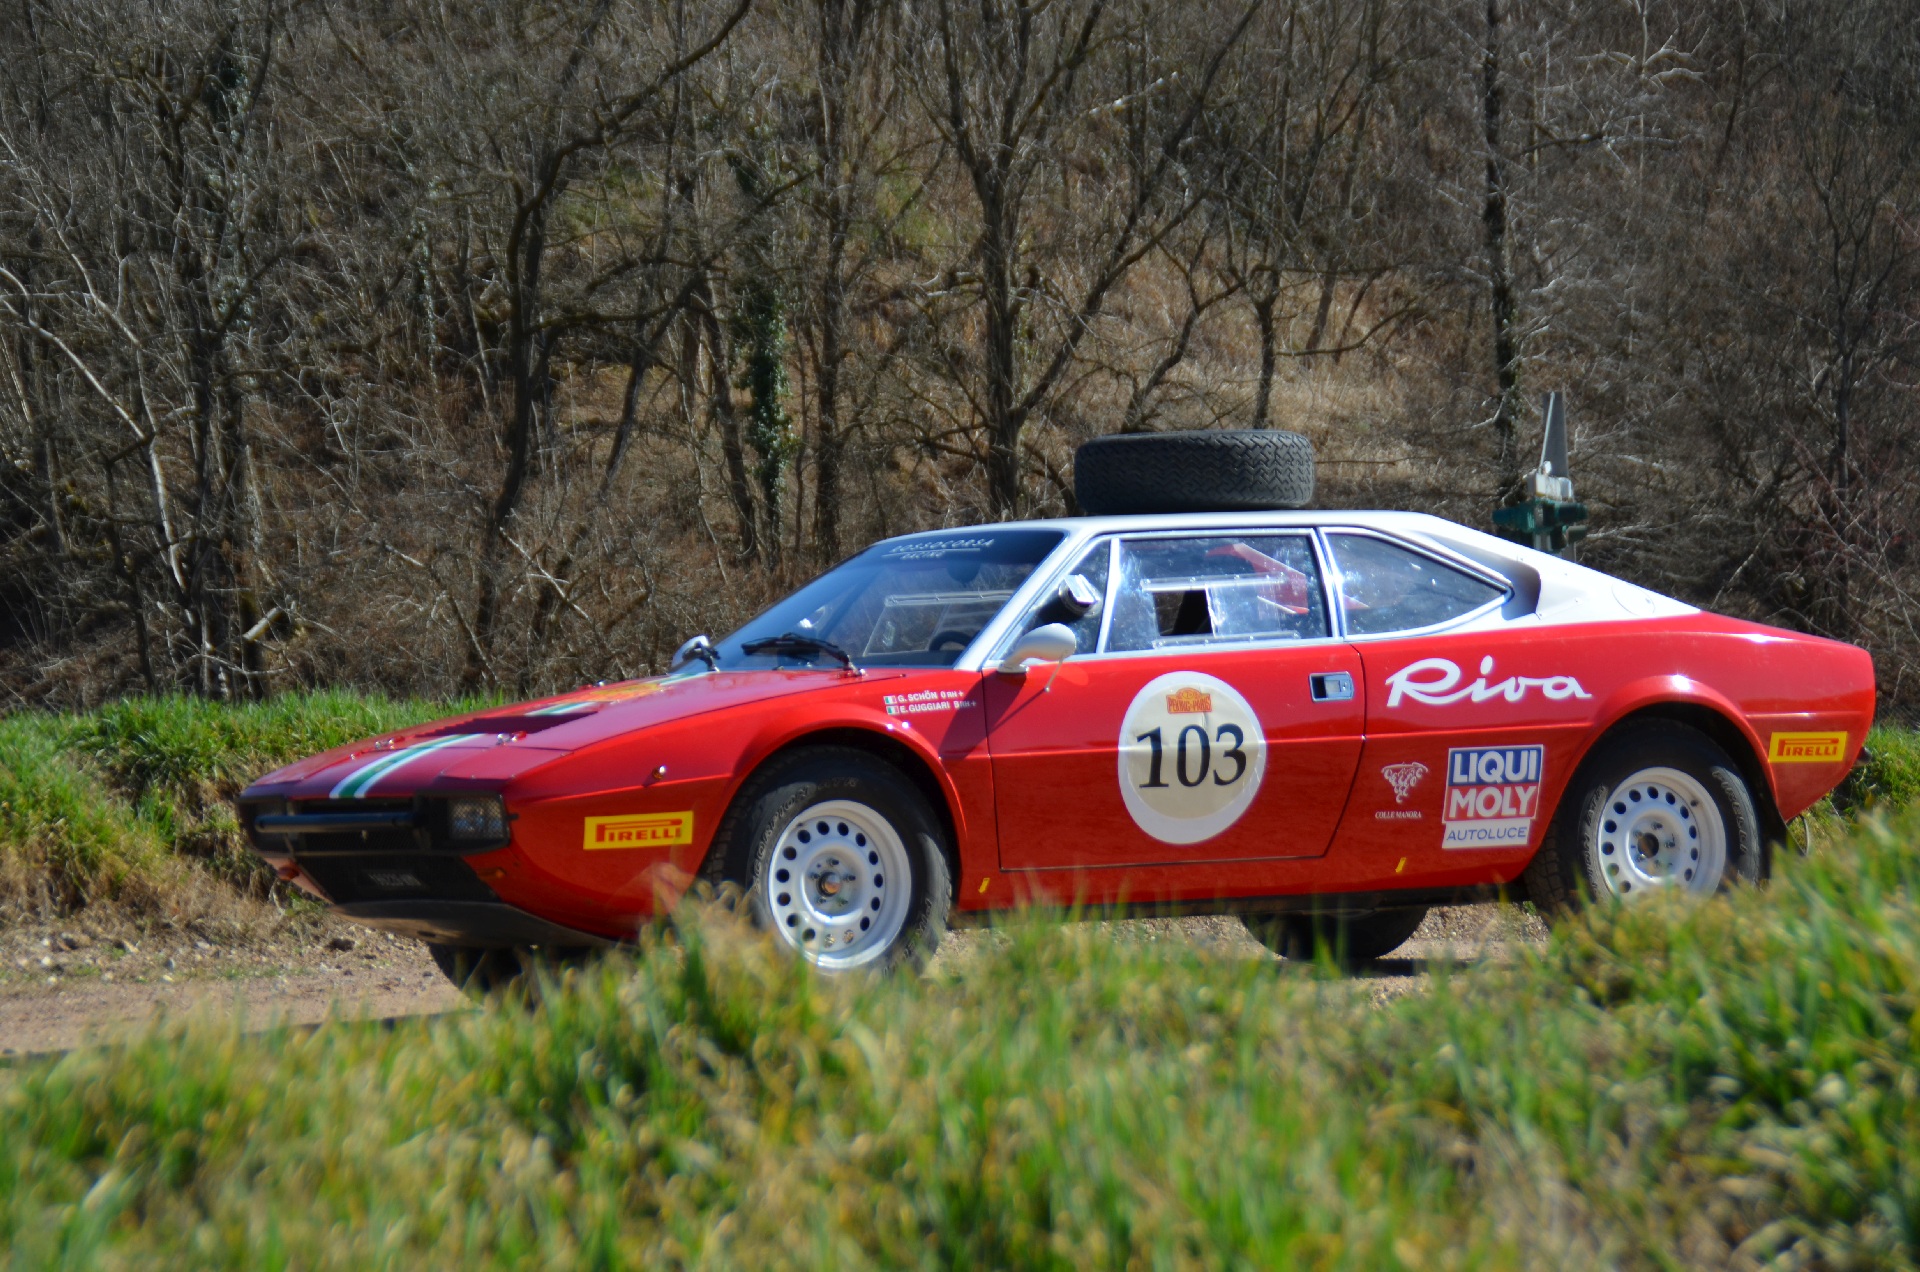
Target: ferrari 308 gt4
(1306, 718)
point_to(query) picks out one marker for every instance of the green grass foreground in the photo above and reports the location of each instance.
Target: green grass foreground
(125, 803)
(1728, 1084)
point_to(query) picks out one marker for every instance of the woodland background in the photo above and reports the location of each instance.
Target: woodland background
(443, 348)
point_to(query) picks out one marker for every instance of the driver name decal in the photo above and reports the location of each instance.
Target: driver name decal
(1192, 755)
(927, 700)
(1493, 794)
(1436, 683)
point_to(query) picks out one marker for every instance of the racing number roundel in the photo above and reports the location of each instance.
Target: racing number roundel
(1192, 754)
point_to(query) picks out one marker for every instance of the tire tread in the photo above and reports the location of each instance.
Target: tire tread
(1234, 470)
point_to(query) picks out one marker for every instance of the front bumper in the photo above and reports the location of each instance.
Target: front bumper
(471, 924)
(388, 864)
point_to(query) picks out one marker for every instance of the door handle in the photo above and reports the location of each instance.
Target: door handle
(1331, 686)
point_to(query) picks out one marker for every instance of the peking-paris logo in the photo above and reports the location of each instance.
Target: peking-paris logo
(1189, 701)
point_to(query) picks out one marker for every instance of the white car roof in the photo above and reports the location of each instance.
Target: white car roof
(1547, 590)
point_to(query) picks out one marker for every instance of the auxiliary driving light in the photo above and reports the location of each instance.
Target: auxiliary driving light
(477, 819)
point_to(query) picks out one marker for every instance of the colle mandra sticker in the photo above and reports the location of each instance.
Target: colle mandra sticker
(1403, 778)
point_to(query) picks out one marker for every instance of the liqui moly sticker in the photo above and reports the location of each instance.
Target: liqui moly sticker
(1493, 795)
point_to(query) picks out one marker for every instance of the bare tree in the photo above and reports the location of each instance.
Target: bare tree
(1022, 96)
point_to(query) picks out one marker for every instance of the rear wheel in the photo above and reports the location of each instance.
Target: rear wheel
(840, 856)
(1350, 940)
(1657, 807)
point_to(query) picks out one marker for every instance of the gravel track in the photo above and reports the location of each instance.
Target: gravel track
(64, 987)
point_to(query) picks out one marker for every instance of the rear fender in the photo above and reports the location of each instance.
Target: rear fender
(1687, 701)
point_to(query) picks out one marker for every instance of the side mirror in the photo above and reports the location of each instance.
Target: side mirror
(1051, 642)
(699, 647)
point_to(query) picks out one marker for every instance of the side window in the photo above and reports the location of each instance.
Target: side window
(1388, 588)
(1087, 580)
(1216, 590)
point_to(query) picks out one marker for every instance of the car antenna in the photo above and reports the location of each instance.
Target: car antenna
(1549, 519)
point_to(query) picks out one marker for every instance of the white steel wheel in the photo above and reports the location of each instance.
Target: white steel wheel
(1660, 828)
(838, 884)
(1656, 804)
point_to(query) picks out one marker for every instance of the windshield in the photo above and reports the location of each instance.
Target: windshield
(915, 602)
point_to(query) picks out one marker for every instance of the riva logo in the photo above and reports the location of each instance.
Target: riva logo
(649, 830)
(1807, 748)
(1436, 683)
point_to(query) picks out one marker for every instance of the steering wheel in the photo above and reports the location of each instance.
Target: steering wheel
(958, 639)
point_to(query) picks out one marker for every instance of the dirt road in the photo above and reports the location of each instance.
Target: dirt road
(62, 988)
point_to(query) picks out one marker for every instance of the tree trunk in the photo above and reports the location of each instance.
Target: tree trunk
(1263, 305)
(1004, 420)
(1506, 358)
(733, 448)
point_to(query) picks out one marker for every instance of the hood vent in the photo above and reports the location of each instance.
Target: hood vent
(509, 724)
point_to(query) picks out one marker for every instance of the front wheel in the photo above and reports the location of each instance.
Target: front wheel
(480, 972)
(839, 855)
(1657, 807)
(491, 972)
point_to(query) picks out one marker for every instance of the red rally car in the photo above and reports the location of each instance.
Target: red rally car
(1301, 717)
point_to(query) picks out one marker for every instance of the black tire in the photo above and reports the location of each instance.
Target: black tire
(488, 972)
(1213, 471)
(1350, 940)
(1584, 853)
(752, 849)
(480, 972)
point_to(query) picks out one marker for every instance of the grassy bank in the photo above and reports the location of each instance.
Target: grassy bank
(1722, 1085)
(131, 805)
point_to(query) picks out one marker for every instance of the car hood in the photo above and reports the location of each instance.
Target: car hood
(500, 743)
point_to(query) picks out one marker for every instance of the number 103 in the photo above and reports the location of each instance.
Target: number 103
(1194, 752)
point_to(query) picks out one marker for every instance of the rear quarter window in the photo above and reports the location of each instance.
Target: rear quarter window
(1389, 588)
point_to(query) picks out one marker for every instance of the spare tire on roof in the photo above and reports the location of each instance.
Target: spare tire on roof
(1228, 471)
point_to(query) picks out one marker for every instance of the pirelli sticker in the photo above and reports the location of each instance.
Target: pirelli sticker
(639, 830)
(1807, 748)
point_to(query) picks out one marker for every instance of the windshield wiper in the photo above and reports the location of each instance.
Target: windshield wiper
(795, 643)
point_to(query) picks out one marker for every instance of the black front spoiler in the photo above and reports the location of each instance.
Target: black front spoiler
(468, 924)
